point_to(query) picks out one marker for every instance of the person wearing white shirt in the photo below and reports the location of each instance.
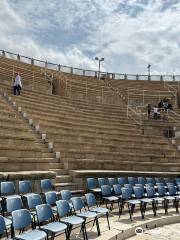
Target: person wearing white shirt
(17, 84)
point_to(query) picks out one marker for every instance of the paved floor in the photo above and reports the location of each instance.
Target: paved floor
(123, 228)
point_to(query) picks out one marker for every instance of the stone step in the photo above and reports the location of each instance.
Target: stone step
(56, 165)
(59, 171)
(66, 186)
(63, 179)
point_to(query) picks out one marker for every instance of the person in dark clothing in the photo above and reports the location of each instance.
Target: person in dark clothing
(149, 109)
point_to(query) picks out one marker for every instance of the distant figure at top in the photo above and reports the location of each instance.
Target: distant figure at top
(17, 84)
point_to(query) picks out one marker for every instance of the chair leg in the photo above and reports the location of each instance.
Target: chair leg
(154, 208)
(86, 237)
(107, 216)
(97, 225)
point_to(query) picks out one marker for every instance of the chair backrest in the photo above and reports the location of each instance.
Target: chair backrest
(117, 189)
(129, 186)
(46, 185)
(141, 180)
(102, 181)
(112, 181)
(44, 212)
(63, 208)
(33, 200)
(51, 197)
(158, 180)
(138, 191)
(150, 180)
(139, 185)
(149, 184)
(13, 203)
(91, 183)
(168, 180)
(159, 184)
(7, 188)
(90, 199)
(25, 187)
(126, 193)
(106, 190)
(66, 195)
(177, 180)
(150, 191)
(2, 225)
(21, 218)
(172, 190)
(161, 190)
(132, 180)
(122, 181)
(78, 203)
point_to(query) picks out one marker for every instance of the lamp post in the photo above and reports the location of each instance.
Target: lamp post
(99, 69)
(149, 71)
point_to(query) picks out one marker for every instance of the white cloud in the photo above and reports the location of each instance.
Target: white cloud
(128, 33)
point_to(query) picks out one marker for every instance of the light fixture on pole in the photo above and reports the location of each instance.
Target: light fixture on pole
(149, 70)
(99, 69)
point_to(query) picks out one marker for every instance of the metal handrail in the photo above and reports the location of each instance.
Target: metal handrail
(86, 72)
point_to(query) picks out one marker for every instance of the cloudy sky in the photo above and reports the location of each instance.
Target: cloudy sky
(129, 34)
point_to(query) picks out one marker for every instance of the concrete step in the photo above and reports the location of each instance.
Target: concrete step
(59, 171)
(63, 179)
(66, 186)
(56, 165)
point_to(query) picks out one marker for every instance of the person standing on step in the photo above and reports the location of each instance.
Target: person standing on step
(17, 84)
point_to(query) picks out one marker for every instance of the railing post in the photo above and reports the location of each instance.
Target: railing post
(71, 70)
(125, 76)
(32, 61)
(18, 57)
(84, 73)
(59, 67)
(3, 53)
(137, 77)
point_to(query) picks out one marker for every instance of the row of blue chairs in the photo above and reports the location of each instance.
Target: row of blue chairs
(92, 183)
(71, 213)
(25, 186)
(142, 196)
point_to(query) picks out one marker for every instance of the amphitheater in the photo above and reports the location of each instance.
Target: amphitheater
(69, 125)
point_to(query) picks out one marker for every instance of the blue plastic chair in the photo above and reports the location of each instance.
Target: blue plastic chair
(51, 198)
(132, 180)
(122, 181)
(7, 191)
(108, 197)
(102, 181)
(66, 195)
(150, 180)
(46, 185)
(112, 181)
(140, 195)
(130, 187)
(25, 187)
(32, 202)
(92, 186)
(141, 180)
(21, 220)
(127, 199)
(92, 206)
(117, 190)
(158, 180)
(72, 222)
(3, 228)
(14, 203)
(79, 206)
(53, 229)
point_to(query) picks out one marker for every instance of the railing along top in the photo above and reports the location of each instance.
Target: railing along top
(88, 72)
